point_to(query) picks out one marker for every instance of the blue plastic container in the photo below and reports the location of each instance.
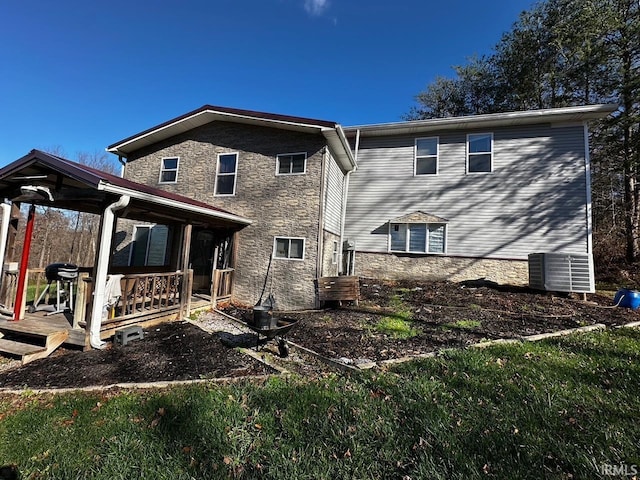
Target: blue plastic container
(627, 298)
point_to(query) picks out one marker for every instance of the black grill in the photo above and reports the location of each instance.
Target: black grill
(61, 272)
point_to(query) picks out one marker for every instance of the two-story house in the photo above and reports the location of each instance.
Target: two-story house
(456, 198)
(285, 174)
(470, 197)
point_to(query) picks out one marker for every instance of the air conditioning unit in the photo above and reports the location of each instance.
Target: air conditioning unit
(561, 272)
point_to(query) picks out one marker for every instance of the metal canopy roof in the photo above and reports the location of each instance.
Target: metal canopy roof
(78, 187)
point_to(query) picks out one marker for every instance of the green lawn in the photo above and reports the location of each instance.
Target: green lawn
(563, 408)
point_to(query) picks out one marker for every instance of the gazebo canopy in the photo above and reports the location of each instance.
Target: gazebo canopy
(44, 179)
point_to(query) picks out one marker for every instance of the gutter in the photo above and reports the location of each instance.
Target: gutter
(107, 187)
(102, 268)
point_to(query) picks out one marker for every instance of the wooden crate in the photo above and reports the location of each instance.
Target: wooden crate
(338, 289)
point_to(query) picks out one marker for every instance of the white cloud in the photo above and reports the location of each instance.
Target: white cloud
(316, 7)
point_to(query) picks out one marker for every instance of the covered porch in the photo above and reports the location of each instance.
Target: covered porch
(105, 297)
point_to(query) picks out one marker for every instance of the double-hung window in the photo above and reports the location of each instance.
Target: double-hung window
(226, 172)
(426, 156)
(149, 246)
(291, 164)
(417, 237)
(480, 153)
(169, 170)
(288, 248)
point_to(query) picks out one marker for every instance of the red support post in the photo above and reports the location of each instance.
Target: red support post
(24, 263)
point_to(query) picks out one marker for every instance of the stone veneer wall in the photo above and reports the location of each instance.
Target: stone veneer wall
(283, 206)
(455, 269)
(330, 269)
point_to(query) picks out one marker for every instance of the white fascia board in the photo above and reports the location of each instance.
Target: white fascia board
(340, 148)
(202, 118)
(171, 129)
(550, 115)
(167, 202)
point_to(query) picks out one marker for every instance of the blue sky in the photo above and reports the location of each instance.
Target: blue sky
(79, 75)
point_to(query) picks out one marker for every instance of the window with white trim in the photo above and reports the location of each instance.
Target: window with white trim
(480, 153)
(169, 170)
(426, 156)
(226, 170)
(291, 163)
(289, 248)
(150, 245)
(417, 237)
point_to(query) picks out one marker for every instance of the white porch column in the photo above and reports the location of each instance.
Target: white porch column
(102, 268)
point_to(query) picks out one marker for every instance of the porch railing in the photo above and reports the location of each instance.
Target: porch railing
(222, 285)
(143, 295)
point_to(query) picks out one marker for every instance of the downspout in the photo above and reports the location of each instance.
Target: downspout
(102, 268)
(345, 195)
(323, 179)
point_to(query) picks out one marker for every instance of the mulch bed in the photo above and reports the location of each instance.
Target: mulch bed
(168, 352)
(443, 314)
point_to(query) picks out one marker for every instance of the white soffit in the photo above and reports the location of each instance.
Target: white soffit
(529, 117)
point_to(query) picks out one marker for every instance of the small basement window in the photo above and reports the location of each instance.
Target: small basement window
(417, 237)
(169, 170)
(291, 163)
(288, 248)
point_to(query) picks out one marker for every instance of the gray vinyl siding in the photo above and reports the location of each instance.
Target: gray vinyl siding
(533, 201)
(333, 198)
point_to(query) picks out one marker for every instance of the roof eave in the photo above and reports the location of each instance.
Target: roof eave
(528, 117)
(203, 116)
(168, 202)
(339, 147)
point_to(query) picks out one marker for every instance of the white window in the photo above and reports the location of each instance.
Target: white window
(426, 156)
(149, 246)
(336, 252)
(480, 153)
(226, 170)
(417, 237)
(289, 248)
(169, 170)
(291, 163)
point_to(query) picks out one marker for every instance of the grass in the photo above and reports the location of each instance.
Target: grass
(563, 408)
(463, 324)
(398, 325)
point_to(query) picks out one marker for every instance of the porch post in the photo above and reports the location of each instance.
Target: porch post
(185, 297)
(18, 311)
(215, 277)
(102, 269)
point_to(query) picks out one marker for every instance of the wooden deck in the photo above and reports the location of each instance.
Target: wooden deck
(37, 335)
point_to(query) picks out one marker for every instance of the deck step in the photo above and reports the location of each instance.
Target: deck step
(41, 330)
(18, 348)
(28, 351)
